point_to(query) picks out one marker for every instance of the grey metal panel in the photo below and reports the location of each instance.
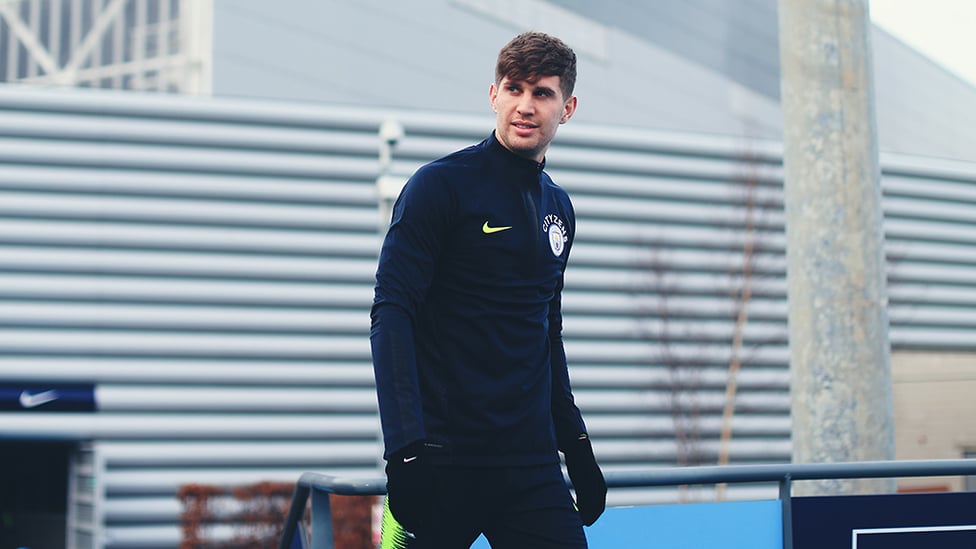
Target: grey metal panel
(642, 425)
(141, 183)
(181, 291)
(119, 209)
(930, 206)
(160, 236)
(910, 295)
(642, 376)
(184, 133)
(162, 318)
(64, 259)
(166, 159)
(134, 454)
(190, 426)
(270, 400)
(189, 343)
(187, 371)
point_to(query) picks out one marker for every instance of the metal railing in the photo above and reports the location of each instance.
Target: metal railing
(319, 486)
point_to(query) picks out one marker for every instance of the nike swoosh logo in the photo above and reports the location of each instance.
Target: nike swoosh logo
(28, 400)
(489, 230)
(409, 459)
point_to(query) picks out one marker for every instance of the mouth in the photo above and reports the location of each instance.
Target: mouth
(523, 127)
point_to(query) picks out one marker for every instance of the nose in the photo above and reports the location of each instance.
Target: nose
(526, 104)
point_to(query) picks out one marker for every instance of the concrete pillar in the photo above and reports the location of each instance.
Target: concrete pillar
(838, 324)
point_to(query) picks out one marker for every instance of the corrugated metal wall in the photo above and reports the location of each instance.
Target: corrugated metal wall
(208, 265)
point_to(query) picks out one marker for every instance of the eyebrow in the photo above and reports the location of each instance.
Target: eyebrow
(528, 84)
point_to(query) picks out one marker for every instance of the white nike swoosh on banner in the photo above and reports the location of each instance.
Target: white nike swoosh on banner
(28, 400)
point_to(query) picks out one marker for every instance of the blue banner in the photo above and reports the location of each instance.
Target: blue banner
(891, 521)
(47, 398)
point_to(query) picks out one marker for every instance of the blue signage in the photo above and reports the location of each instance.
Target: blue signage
(47, 398)
(891, 521)
(951, 537)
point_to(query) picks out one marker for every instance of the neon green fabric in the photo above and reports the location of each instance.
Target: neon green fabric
(392, 535)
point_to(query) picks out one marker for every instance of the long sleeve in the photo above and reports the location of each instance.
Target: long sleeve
(565, 414)
(395, 370)
(403, 276)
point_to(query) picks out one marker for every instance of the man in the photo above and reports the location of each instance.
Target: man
(474, 393)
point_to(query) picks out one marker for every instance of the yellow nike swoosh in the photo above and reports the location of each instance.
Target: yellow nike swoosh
(488, 230)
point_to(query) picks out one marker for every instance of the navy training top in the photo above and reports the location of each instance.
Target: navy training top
(466, 319)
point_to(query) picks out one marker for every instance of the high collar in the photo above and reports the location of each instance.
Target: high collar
(511, 159)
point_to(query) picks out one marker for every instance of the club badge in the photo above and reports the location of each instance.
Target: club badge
(553, 227)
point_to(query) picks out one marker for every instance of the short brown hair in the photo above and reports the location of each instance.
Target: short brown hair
(532, 55)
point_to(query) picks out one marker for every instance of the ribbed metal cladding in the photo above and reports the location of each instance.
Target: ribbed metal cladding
(208, 265)
(654, 292)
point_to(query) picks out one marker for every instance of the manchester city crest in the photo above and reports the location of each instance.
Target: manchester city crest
(553, 227)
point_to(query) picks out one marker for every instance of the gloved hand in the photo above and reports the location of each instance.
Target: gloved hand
(587, 479)
(409, 483)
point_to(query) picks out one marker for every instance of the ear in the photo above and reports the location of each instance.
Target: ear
(568, 109)
(492, 95)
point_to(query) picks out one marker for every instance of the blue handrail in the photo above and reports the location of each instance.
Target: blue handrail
(319, 486)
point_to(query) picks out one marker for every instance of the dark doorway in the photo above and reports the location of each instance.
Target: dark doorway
(33, 493)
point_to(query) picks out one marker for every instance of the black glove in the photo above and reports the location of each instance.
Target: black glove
(588, 481)
(409, 483)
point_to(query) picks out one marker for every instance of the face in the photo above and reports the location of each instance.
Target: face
(528, 114)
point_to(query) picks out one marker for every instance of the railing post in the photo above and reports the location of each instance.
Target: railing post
(321, 521)
(786, 500)
(295, 512)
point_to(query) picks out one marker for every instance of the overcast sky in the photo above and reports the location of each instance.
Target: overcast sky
(944, 30)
